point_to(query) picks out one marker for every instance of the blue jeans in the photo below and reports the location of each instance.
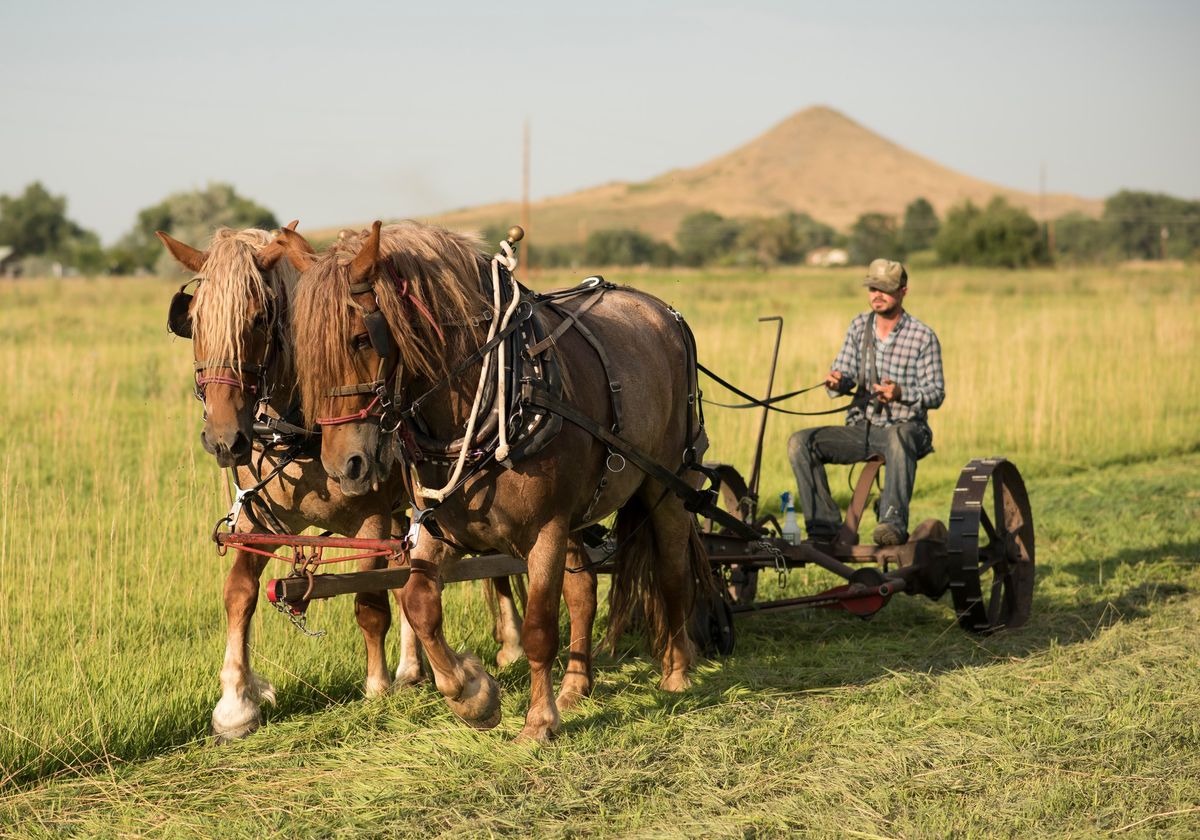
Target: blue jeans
(901, 445)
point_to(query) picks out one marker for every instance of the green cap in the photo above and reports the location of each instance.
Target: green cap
(886, 276)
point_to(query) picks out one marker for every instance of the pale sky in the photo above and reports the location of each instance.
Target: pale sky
(388, 109)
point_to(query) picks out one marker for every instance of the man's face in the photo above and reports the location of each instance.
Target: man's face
(886, 303)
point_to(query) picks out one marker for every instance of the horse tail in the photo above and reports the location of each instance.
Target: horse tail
(636, 595)
(631, 596)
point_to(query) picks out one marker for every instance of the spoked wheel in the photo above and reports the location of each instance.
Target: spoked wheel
(735, 499)
(989, 550)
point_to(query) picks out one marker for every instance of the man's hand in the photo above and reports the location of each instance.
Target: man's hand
(887, 391)
(833, 381)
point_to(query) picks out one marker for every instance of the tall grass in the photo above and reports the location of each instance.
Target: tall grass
(112, 624)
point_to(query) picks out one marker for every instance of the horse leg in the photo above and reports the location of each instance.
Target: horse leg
(374, 617)
(508, 624)
(469, 690)
(672, 535)
(373, 614)
(237, 713)
(409, 671)
(540, 632)
(579, 591)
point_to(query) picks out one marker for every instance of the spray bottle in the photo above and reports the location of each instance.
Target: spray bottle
(791, 528)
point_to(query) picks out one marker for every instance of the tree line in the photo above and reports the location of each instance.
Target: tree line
(35, 225)
(1133, 225)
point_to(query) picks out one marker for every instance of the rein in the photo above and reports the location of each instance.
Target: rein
(770, 403)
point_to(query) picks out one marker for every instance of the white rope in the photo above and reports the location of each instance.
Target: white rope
(509, 260)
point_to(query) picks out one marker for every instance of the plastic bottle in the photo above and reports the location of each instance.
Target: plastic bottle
(791, 528)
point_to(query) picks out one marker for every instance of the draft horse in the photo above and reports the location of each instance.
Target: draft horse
(391, 326)
(238, 321)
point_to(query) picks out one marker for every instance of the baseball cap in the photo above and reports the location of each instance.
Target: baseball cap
(886, 275)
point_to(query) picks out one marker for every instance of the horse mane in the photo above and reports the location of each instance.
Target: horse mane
(442, 270)
(231, 282)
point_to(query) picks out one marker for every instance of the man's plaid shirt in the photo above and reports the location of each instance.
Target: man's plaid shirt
(911, 357)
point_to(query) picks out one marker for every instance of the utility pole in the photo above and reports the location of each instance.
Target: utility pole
(525, 194)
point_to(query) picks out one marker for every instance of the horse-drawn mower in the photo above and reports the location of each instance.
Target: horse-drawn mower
(984, 555)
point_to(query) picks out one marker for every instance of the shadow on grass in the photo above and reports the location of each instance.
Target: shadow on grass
(794, 651)
(778, 652)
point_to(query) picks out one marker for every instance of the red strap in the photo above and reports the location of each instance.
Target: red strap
(349, 418)
(226, 380)
(401, 285)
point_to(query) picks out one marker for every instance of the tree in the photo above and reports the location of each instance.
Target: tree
(1138, 221)
(705, 237)
(778, 240)
(875, 235)
(35, 224)
(1078, 238)
(809, 234)
(764, 242)
(188, 216)
(624, 246)
(920, 226)
(1000, 235)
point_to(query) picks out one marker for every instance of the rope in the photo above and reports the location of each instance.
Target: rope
(509, 260)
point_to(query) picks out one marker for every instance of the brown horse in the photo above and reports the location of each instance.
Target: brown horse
(425, 284)
(239, 325)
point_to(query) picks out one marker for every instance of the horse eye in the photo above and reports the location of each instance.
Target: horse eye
(360, 341)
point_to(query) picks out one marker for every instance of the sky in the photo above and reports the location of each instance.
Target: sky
(341, 113)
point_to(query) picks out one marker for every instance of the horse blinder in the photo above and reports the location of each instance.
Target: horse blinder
(178, 321)
(378, 333)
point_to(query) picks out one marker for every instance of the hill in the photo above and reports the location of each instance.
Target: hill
(817, 161)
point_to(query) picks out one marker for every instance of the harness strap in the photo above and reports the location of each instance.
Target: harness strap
(352, 390)
(523, 313)
(614, 388)
(568, 320)
(696, 501)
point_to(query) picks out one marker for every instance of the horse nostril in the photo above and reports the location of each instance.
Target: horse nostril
(241, 445)
(355, 467)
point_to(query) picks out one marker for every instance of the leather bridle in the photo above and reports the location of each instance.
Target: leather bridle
(179, 323)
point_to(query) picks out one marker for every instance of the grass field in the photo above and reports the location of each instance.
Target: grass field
(1084, 723)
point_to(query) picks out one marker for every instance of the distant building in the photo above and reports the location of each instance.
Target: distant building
(826, 257)
(10, 265)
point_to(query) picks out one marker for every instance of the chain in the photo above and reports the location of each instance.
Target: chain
(781, 566)
(299, 620)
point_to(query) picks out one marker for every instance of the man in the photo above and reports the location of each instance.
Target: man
(896, 363)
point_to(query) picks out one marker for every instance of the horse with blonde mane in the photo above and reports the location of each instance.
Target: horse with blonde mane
(401, 311)
(239, 324)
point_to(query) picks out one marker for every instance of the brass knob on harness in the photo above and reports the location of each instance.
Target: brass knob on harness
(516, 233)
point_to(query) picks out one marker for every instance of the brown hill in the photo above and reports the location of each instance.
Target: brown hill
(817, 161)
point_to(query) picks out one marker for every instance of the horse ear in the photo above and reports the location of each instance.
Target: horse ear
(270, 253)
(299, 252)
(186, 255)
(368, 255)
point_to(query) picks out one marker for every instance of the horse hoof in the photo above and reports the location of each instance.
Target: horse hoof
(507, 655)
(478, 704)
(375, 687)
(409, 674)
(234, 721)
(535, 735)
(675, 682)
(573, 691)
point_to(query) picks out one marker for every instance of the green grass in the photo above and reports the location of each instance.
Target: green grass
(1081, 724)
